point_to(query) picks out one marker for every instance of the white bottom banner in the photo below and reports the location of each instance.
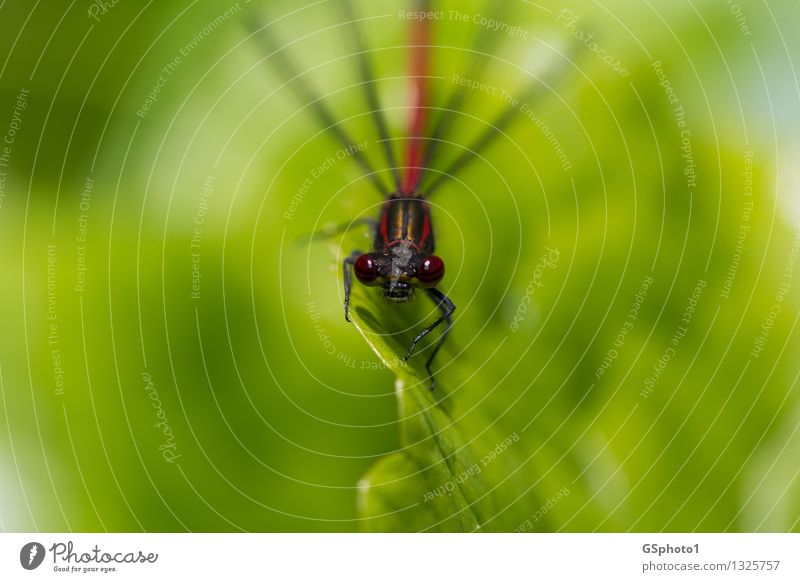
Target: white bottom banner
(400, 557)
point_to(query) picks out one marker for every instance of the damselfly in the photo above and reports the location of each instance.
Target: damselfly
(402, 257)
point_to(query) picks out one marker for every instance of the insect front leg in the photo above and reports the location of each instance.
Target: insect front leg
(347, 271)
(447, 307)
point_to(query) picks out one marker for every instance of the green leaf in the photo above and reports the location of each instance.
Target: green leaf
(439, 482)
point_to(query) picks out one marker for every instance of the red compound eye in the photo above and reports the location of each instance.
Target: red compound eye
(431, 270)
(366, 270)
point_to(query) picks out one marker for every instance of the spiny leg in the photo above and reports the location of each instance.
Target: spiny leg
(347, 269)
(447, 307)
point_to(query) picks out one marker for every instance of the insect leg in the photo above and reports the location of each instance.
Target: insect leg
(347, 270)
(326, 233)
(447, 307)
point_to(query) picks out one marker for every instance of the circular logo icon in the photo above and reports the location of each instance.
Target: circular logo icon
(31, 555)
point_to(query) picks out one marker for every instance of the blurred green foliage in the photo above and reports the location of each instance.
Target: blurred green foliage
(280, 416)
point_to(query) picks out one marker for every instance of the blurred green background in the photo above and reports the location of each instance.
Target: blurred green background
(153, 148)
